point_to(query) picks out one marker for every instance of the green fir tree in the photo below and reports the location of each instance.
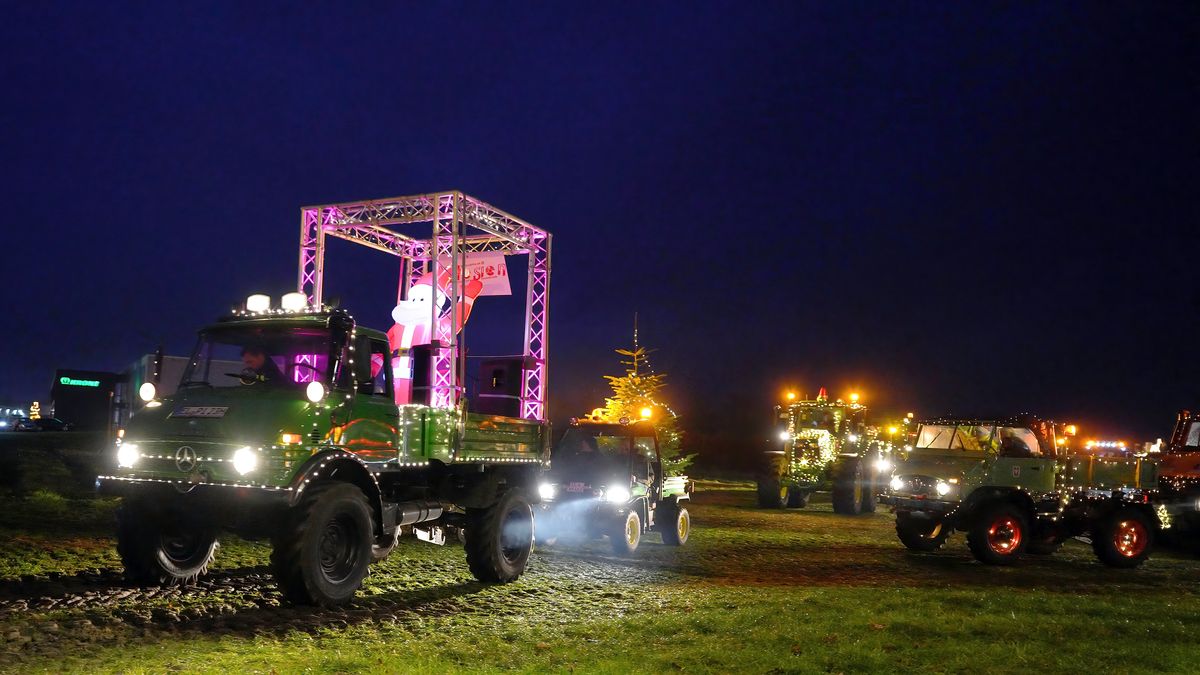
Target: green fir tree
(638, 393)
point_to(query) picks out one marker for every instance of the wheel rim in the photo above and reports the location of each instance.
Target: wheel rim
(631, 530)
(1004, 535)
(337, 549)
(783, 493)
(1129, 538)
(516, 533)
(682, 526)
(180, 545)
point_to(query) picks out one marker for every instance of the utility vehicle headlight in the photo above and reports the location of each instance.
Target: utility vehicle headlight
(245, 460)
(896, 484)
(617, 495)
(547, 491)
(127, 455)
(315, 391)
(147, 391)
(785, 436)
(883, 465)
(943, 488)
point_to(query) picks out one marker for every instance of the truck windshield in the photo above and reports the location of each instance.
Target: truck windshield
(271, 356)
(815, 418)
(966, 437)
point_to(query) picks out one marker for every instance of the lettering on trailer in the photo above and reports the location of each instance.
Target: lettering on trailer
(72, 382)
(209, 411)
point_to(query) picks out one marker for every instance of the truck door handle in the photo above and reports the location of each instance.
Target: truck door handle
(1035, 468)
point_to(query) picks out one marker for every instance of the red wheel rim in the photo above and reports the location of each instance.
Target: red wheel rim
(1129, 538)
(1004, 535)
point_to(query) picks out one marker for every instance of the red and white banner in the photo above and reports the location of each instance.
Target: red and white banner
(488, 268)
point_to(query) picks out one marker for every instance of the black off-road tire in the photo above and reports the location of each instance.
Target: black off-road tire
(797, 498)
(321, 553)
(870, 497)
(675, 523)
(772, 494)
(848, 486)
(999, 534)
(499, 538)
(163, 547)
(1124, 538)
(626, 533)
(920, 534)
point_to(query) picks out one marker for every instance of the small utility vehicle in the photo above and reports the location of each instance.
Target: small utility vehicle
(606, 479)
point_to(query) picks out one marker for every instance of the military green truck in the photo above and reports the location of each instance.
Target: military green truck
(286, 425)
(1179, 481)
(824, 444)
(606, 479)
(1014, 489)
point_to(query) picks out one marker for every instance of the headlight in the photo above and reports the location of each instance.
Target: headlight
(315, 391)
(896, 484)
(853, 438)
(883, 465)
(147, 391)
(617, 495)
(245, 460)
(547, 491)
(943, 488)
(785, 436)
(127, 455)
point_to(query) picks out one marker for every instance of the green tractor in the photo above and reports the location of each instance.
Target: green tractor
(606, 479)
(824, 444)
(1015, 487)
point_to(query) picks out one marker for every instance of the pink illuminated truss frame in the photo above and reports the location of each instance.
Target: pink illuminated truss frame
(461, 224)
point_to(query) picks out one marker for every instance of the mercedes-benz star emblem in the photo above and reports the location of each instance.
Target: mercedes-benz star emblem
(185, 458)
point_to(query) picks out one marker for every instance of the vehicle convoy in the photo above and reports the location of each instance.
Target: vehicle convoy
(1014, 487)
(286, 424)
(606, 479)
(1179, 480)
(824, 443)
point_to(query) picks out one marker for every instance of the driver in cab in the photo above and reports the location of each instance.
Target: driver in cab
(259, 367)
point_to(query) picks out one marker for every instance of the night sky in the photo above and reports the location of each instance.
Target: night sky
(952, 207)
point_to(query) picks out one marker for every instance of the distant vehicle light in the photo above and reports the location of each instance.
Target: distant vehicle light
(883, 465)
(896, 484)
(791, 396)
(785, 436)
(646, 413)
(293, 302)
(854, 398)
(547, 491)
(853, 438)
(617, 495)
(315, 391)
(127, 455)
(245, 460)
(892, 430)
(147, 391)
(290, 439)
(258, 303)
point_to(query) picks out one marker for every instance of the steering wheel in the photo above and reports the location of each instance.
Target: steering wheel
(317, 371)
(248, 376)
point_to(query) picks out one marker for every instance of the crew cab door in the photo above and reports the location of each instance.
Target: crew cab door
(372, 431)
(647, 467)
(1020, 462)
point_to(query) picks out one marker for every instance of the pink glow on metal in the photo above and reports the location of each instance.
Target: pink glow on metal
(302, 374)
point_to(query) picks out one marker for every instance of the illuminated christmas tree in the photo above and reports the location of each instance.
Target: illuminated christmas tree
(637, 395)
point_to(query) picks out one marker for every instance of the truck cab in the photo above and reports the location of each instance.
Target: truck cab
(1180, 469)
(1012, 487)
(606, 479)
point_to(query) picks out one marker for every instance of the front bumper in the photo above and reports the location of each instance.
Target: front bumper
(917, 503)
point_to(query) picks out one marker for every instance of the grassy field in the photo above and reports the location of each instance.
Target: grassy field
(754, 591)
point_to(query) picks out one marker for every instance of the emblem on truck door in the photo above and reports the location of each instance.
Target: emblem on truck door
(1016, 472)
(185, 458)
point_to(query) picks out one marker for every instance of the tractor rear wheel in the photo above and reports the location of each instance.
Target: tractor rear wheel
(499, 538)
(848, 486)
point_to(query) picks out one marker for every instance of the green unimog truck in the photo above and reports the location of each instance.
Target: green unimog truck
(1014, 488)
(286, 425)
(606, 479)
(823, 443)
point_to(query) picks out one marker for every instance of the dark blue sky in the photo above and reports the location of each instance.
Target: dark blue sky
(952, 207)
